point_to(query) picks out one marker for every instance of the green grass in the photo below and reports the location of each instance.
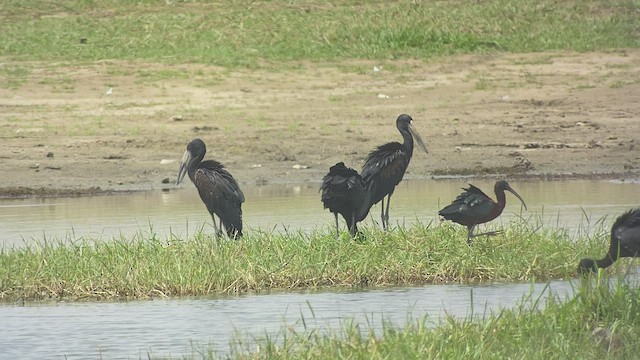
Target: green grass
(146, 266)
(537, 329)
(13, 76)
(240, 33)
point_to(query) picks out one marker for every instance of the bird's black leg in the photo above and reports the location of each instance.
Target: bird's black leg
(352, 228)
(215, 226)
(470, 234)
(337, 229)
(384, 225)
(386, 215)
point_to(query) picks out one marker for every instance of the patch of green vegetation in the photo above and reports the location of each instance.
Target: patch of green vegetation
(617, 66)
(162, 74)
(131, 104)
(355, 69)
(531, 78)
(534, 60)
(600, 322)
(482, 84)
(479, 170)
(245, 34)
(618, 84)
(13, 77)
(584, 86)
(118, 71)
(146, 266)
(259, 122)
(59, 83)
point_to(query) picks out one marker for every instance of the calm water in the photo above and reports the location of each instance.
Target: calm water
(177, 327)
(279, 207)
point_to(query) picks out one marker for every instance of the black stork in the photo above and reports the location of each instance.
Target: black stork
(625, 242)
(218, 190)
(474, 207)
(343, 193)
(385, 166)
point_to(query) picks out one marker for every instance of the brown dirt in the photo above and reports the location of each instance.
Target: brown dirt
(123, 126)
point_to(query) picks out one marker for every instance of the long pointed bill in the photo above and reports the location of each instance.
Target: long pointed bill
(183, 166)
(509, 189)
(418, 138)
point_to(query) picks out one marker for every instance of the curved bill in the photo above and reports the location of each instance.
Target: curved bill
(418, 138)
(509, 189)
(183, 166)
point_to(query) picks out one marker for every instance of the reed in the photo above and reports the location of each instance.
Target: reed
(146, 266)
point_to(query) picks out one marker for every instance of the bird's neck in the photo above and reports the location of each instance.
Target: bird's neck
(502, 199)
(193, 166)
(606, 261)
(408, 142)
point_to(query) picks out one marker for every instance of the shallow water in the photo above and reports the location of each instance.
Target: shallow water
(575, 204)
(177, 327)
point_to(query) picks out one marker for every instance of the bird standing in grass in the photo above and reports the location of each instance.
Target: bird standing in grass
(625, 242)
(474, 207)
(343, 193)
(217, 188)
(385, 167)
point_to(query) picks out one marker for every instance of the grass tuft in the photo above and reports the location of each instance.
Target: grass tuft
(146, 266)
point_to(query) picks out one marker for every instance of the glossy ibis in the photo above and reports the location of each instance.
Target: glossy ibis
(385, 167)
(625, 242)
(343, 193)
(474, 207)
(217, 188)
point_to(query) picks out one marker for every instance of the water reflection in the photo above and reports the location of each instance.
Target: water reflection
(294, 206)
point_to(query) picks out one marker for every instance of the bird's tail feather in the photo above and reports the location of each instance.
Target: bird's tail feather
(364, 209)
(233, 224)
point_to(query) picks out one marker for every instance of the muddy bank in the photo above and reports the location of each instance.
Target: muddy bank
(99, 128)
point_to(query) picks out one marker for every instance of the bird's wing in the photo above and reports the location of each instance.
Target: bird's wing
(341, 184)
(472, 203)
(218, 185)
(386, 161)
(221, 194)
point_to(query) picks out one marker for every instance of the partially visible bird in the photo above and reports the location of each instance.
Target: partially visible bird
(217, 188)
(385, 167)
(343, 193)
(474, 207)
(625, 242)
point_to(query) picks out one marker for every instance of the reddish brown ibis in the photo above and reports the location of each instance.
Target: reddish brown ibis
(218, 190)
(625, 242)
(343, 193)
(385, 167)
(474, 207)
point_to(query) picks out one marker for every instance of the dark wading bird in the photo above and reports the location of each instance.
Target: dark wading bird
(474, 207)
(217, 188)
(625, 242)
(385, 167)
(343, 193)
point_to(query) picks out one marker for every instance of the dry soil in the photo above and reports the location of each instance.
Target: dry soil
(114, 126)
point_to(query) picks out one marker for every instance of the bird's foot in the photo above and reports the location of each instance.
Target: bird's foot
(359, 236)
